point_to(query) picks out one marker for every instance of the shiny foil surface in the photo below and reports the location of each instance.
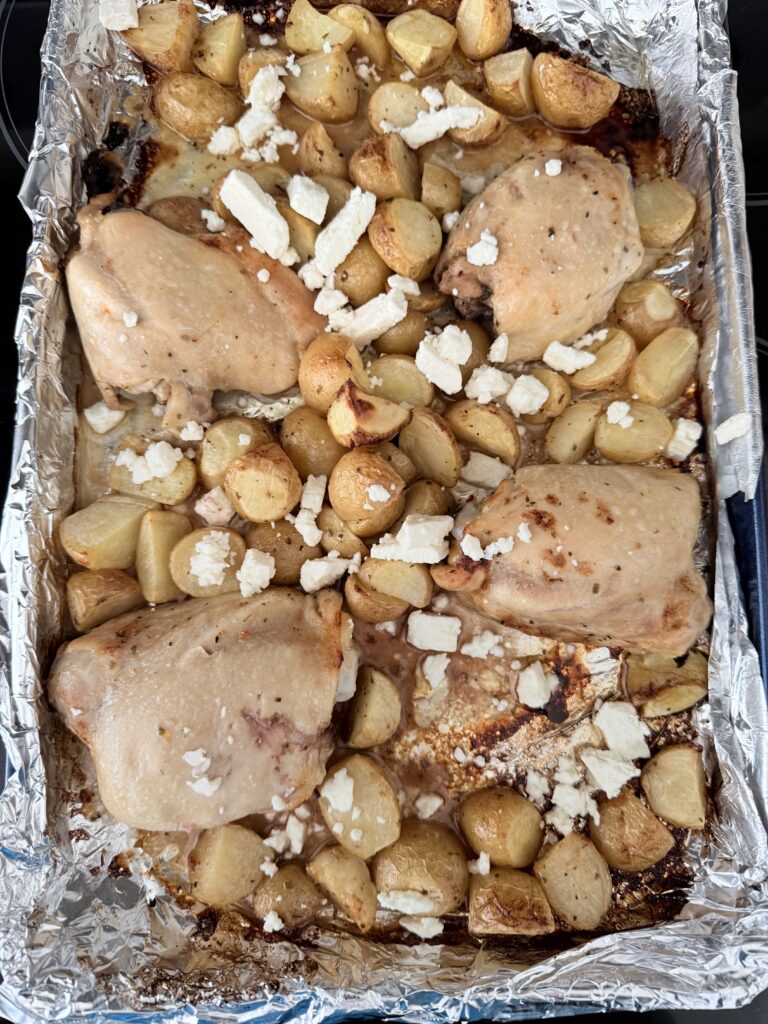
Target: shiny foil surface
(85, 934)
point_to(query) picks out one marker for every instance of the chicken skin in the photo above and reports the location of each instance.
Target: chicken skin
(199, 712)
(183, 316)
(568, 239)
(602, 554)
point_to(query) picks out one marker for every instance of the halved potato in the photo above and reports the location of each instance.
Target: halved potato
(349, 490)
(421, 40)
(368, 605)
(307, 30)
(286, 545)
(94, 596)
(370, 38)
(339, 191)
(440, 190)
(337, 536)
(481, 344)
(363, 274)
(364, 816)
(291, 894)
(508, 80)
(646, 437)
(319, 154)
(398, 379)
(104, 535)
(396, 104)
(665, 367)
(427, 859)
(628, 835)
(160, 531)
(488, 127)
(660, 686)
(646, 308)
(219, 48)
(302, 231)
(224, 865)
(665, 211)
(204, 565)
(569, 95)
(558, 395)
(488, 428)
(406, 336)
(356, 418)
(429, 443)
(483, 27)
(168, 490)
(345, 878)
(326, 88)
(426, 498)
(225, 441)
(329, 362)
(508, 902)
(308, 442)
(179, 213)
(194, 106)
(375, 711)
(384, 165)
(503, 824)
(406, 236)
(256, 59)
(165, 35)
(410, 583)
(576, 881)
(263, 485)
(675, 786)
(614, 357)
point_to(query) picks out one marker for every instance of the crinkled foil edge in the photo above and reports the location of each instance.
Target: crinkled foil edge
(714, 955)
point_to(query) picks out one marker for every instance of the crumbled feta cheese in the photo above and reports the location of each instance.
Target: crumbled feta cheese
(607, 770)
(566, 359)
(536, 786)
(311, 276)
(211, 558)
(483, 645)
(278, 804)
(254, 574)
(623, 730)
(434, 667)
(535, 686)
(481, 866)
(618, 412)
(378, 493)
(337, 240)
(366, 71)
(424, 927)
(317, 573)
(263, 275)
(193, 431)
(473, 183)
(266, 90)
(573, 801)
(485, 252)
(429, 632)
(684, 439)
(433, 124)
(273, 922)
(157, 462)
(454, 343)
(560, 820)
(369, 321)
(339, 791)
(356, 834)
(406, 284)
(485, 471)
(296, 831)
(347, 683)
(498, 350)
(198, 761)
(387, 627)
(268, 868)
(291, 66)
(255, 125)
(438, 370)
(119, 14)
(258, 213)
(502, 546)
(588, 339)
(427, 804)
(101, 418)
(307, 198)
(433, 97)
(225, 141)
(553, 167)
(600, 660)
(213, 221)
(527, 395)
(204, 786)
(130, 318)
(265, 39)
(406, 901)
(314, 492)
(421, 539)
(215, 507)
(407, 75)
(449, 220)
(524, 533)
(487, 383)
(472, 547)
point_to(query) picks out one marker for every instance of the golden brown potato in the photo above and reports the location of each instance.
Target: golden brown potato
(308, 442)
(363, 274)
(397, 459)
(558, 397)
(104, 535)
(427, 859)
(674, 785)
(508, 902)
(256, 59)
(440, 190)
(406, 236)
(360, 806)
(426, 498)
(286, 545)
(307, 30)
(339, 191)
(326, 89)
(645, 438)
(160, 531)
(375, 711)
(657, 685)
(203, 565)
(429, 442)
(225, 441)
(165, 35)
(345, 878)
(263, 485)
(569, 95)
(369, 605)
(219, 48)
(646, 308)
(395, 103)
(665, 212)
(406, 336)
(486, 428)
(179, 213)
(328, 363)
(483, 27)
(421, 40)
(665, 367)
(508, 80)
(168, 490)
(398, 379)
(302, 231)
(488, 127)
(409, 583)
(224, 865)
(503, 824)
(290, 894)
(370, 38)
(576, 881)
(94, 597)
(481, 345)
(356, 418)
(349, 487)
(318, 153)
(614, 357)
(194, 106)
(337, 536)
(384, 165)
(628, 835)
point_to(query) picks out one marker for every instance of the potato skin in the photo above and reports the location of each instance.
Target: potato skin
(569, 95)
(629, 835)
(345, 878)
(291, 893)
(224, 865)
(195, 106)
(165, 35)
(308, 442)
(358, 469)
(576, 881)
(287, 547)
(263, 484)
(94, 596)
(326, 89)
(508, 902)
(427, 858)
(675, 785)
(503, 824)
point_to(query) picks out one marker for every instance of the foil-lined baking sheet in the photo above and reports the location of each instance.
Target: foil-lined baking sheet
(83, 936)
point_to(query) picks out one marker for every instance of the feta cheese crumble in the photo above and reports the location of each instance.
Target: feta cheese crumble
(433, 124)
(213, 221)
(483, 645)
(311, 506)
(449, 220)
(566, 359)
(225, 141)
(553, 167)
(263, 275)
(157, 462)
(481, 866)
(536, 786)
(607, 770)
(119, 14)
(192, 431)
(339, 791)
(215, 507)
(424, 927)
(485, 252)
(369, 321)
(254, 574)
(258, 213)
(535, 686)
(684, 439)
(735, 426)
(441, 356)
(485, 471)
(498, 350)
(101, 419)
(273, 922)
(429, 632)
(406, 284)
(317, 573)
(434, 667)
(524, 533)
(488, 383)
(618, 412)
(427, 804)
(337, 240)
(527, 395)
(421, 539)
(623, 730)
(211, 559)
(433, 96)
(406, 901)
(307, 198)
(130, 318)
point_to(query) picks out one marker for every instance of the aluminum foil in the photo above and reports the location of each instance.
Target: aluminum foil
(83, 937)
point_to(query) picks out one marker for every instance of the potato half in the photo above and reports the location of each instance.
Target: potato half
(569, 95)
(194, 564)
(508, 80)
(104, 535)
(409, 583)
(161, 530)
(337, 536)
(644, 439)
(487, 428)
(395, 104)
(614, 359)
(94, 596)
(225, 441)
(345, 878)
(350, 488)
(369, 605)
(675, 786)
(429, 442)
(488, 127)
(194, 106)
(427, 859)
(356, 418)
(168, 490)
(398, 379)
(263, 485)
(329, 362)
(307, 30)
(224, 865)
(558, 395)
(407, 237)
(665, 367)
(219, 48)
(503, 824)
(659, 686)
(308, 442)
(375, 711)
(483, 27)
(319, 154)
(665, 211)
(364, 816)
(628, 835)
(646, 308)
(370, 38)
(326, 88)
(291, 894)
(165, 35)
(508, 902)
(421, 40)
(286, 545)
(363, 274)
(440, 190)
(384, 165)
(576, 881)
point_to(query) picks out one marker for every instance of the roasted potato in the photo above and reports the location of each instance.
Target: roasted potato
(665, 367)
(646, 308)
(291, 894)
(421, 40)
(398, 379)
(224, 865)
(363, 274)
(286, 545)
(345, 878)
(326, 89)
(369, 605)
(194, 106)
(339, 191)
(104, 535)
(395, 103)
(426, 498)
(307, 30)
(483, 27)
(263, 485)
(508, 81)
(354, 477)
(674, 785)
(614, 357)
(356, 418)
(302, 231)
(219, 48)
(427, 860)
(225, 441)
(481, 345)
(375, 710)
(337, 536)
(179, 213)
(329, 362)
(406, 236)
(165, 35)
(576, 881)
(406, 336)
(94, 596)
(628, 835)
(558, 397)
(409, 583)
(569, 95)
(665, 212)
(205, 562)
(161, 529)
(488, 127)
(319, 154)
(645, 438)
(308, 442)
(256, 59)
(360, 806)
(440, 190)
(658, 685)
(429, 443)
(384, 165)
(487, 428)
(503, 824)
(168, 490)
(370, 38)
(508, 902)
